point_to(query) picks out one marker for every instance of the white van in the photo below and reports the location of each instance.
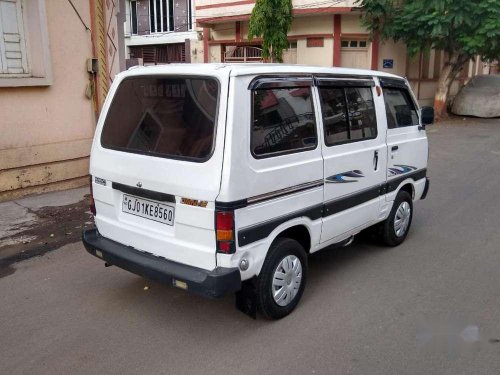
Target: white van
(223, 178)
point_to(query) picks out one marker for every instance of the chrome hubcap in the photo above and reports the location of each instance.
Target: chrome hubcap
(402, 219)
(286, 280)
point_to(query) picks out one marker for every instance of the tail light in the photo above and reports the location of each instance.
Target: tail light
(91, 199)
(224, 227)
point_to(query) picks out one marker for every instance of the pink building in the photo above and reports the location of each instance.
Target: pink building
(51, 89)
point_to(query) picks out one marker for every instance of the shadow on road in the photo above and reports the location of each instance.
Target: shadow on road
(178, 306)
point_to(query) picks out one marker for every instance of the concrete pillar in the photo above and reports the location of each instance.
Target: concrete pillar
(336, 39)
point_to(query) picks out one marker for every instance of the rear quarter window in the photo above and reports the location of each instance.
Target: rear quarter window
(283, 121)
(171, 117)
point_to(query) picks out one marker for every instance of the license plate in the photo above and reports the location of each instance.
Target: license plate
(152, 210)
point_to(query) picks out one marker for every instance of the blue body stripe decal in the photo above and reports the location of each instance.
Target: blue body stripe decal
(400, 169)
(341, 177)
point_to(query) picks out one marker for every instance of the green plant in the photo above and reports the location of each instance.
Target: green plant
(271, 20)
(463, 29)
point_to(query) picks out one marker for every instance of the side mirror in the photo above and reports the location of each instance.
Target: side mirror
(427, 115)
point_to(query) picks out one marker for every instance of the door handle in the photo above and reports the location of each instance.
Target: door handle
(375, 160)
(394, 148)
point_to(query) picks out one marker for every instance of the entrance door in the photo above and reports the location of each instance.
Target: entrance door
(406, 143)
(290, 54)
(354, 153)
(355, 54)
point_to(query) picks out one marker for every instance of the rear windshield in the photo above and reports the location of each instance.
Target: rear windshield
(163, 116)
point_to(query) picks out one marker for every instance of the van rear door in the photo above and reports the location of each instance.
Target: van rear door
(156, 163)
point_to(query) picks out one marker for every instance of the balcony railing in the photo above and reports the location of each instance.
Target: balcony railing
(243, 54)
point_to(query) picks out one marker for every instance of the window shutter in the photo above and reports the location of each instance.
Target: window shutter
(12, 44)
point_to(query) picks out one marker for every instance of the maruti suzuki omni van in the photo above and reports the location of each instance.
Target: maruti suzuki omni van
(221, 179)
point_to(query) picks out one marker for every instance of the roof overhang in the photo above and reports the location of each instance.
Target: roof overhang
(210, 21)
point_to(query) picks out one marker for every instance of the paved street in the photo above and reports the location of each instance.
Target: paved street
(430, 306)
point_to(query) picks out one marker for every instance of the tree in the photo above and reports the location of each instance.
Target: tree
(271, 20)
(461, 28)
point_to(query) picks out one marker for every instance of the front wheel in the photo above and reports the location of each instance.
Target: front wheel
(395, 228)
(282, 279)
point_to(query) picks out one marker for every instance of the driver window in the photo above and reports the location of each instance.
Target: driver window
(399, 108)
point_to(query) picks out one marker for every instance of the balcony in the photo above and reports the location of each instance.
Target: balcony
(209, 12)
(244, 54)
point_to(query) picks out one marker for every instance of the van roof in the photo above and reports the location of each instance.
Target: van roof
(252, 69)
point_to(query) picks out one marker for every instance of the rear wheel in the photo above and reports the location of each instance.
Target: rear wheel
(282, 279)
(395, 228)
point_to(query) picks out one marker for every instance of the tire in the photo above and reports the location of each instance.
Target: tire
(388, 233)
(284, 252)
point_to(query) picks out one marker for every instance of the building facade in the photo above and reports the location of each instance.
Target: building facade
(57, 60)
(325, 33)
(322, 33)
(160, 31)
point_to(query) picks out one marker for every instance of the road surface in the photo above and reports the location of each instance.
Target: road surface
(430, 306)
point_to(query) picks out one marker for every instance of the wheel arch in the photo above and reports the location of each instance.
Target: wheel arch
(408, 187)
(299, 233)
(301, 229)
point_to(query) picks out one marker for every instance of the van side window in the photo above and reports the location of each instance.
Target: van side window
(348, 114)
(334, 115)
(399, 108)
(283, 121)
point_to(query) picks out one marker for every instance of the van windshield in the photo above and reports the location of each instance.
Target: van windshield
(163, 116)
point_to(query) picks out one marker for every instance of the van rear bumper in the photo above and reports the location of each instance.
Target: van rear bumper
(215, 283)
